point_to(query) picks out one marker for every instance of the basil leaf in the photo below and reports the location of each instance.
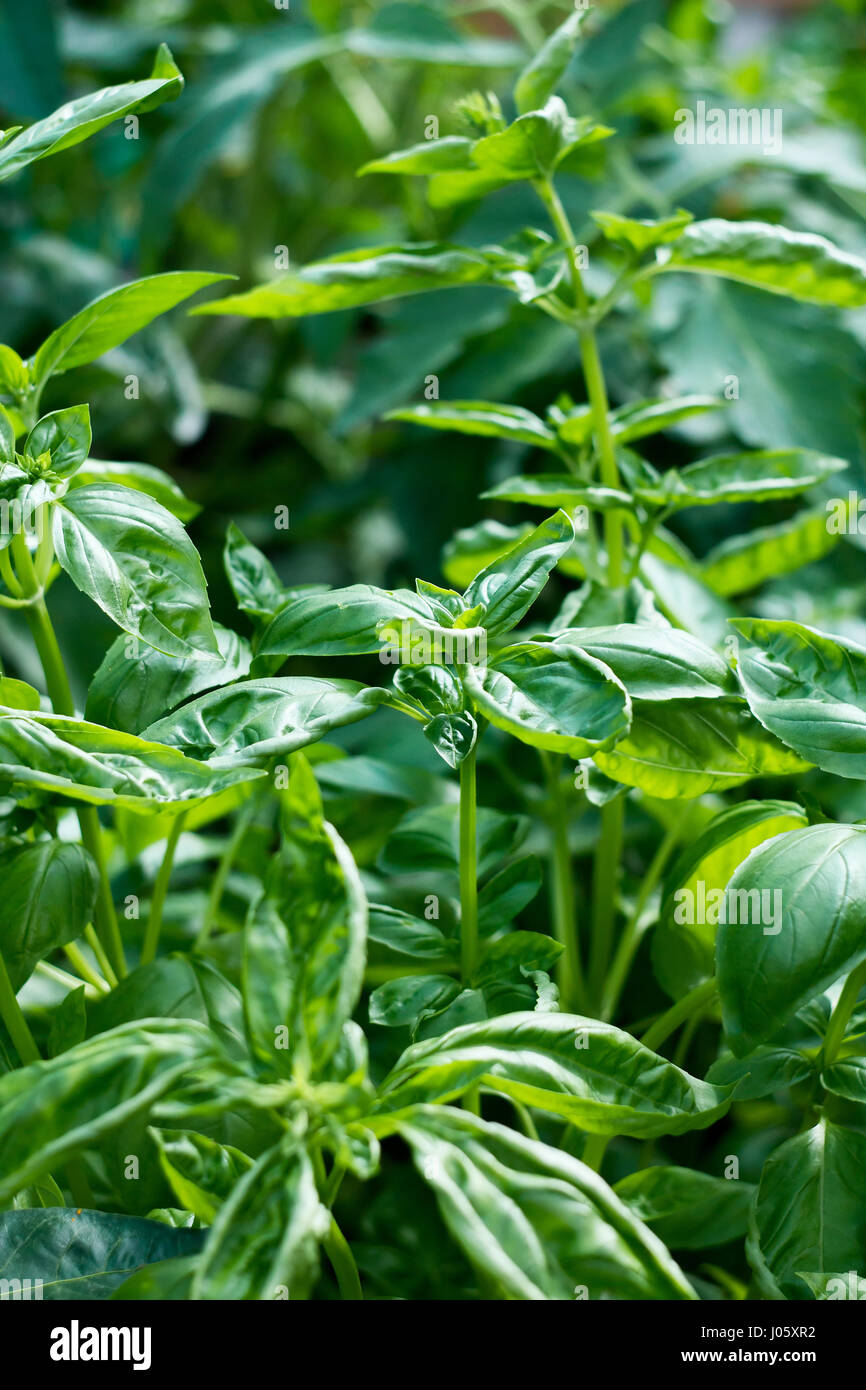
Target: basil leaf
(79, 119)
(552, 697)
(654, 663)
(86, 762)
(543, 73)
(808, 1210)
(254, 721)
(255, 583)
(535, 145)
(428, 839)
(343, 622)
(590, 1073)
(642, 234)
(79, 1255)
(754, 477)
(65, 435)
(452, 152)
(536, 1221)
(200, 1171)
(685, 748)
(688, 1209)
(742, 563)
(140, 477)
(798, 264)
(508, 586)
(559, 490)
(768, 971)
(484, 418)
(396, 936)
(809, 689)
(49, 890)
(467, 553)
(134, 559)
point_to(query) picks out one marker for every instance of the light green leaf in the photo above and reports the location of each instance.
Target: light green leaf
(642, 234)
(559, 490)
(485, 418)
(141, 477)
(798, 264)
(641, 418)
(342, 622)
(201, 1172)
(467, 553)
(134, 559)
(754, 477)
(534, 145)
(809, 689)
(654, 663)
(767, 972)
(49, 889)
(742, 563)
(685, 748)
(508, 586)
(65, 435)
(452, 152)
(85, 762)
(543, 73)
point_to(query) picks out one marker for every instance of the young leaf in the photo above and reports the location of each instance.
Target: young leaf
(590, 1073)
(367, 276)
(129, 691)
(809, 689)
(78, 120)
(49, 889)
(451, 153)
(641, 418)
(256, 721)
(85, 1254)
(134, 559)
(808, 1210)
(255, 583)
(201, 1172)
(65, 435)
(85, 762)
(509, 586)
(798, 264)
(114, 317)
(641, 234)
(688, 1209)
(265, 1237)
(484, 418)
(768, 970)
(538, 1222)
(685, 748)
(534, 145)
(552, 697)
(51, 1110)
(543, 73)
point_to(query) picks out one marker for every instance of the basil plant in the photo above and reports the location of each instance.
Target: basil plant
(304, 1063)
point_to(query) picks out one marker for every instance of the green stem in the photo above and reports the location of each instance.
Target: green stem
(342, 1260)
(16, 1024)
(835, 1035)
(224, 868)
(69, 982)
(634, 931)
(697, 998)
(106, 917)
(565, 922)
(605, 882)
(468, 867)
(102, 960)
(80, 963)
(594, 1150)
(160, 889)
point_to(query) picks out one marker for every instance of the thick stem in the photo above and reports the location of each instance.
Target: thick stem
(160, 889)
(16, 1024)
(572, 989)
(697, 998)
(468, 867)
(835, 1035)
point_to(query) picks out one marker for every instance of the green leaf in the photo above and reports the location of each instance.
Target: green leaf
(141, 477)
(809, 1210)
(484, 418)
(255, 583)
(809, 689)
(467, 553)
(642, 234)
(200, 1171)
(534, 1220)
(85, 762)
(508, 586)
(68, 1022)
(405, 1002)
(502, 897)
(559, 490)
(134, 559)
(113, 317)
(131, 690)
(687, 1209)
(766, 974)
(846, 1078)
(534, 146)
(165, 1281)
(49, 889)
(256, 721)
(81, 1255)
(552, 697)
(654, 663)
(396, 936)
(641, 418)
(78, 120)
(312, 921)
(764, 1072)
(51, 1110)
(543, 73)
(264, 1239)
(175, 987)
(588, 1072)
(684, 942)
(685, 748)
(428, 839)
(65, 435)
(452, 152)
(798, 264)
(742, 563)
(18, 694)
(754, 477)
(342, 622)
(367, 276)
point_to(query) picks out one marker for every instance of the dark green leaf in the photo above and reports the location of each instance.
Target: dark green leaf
(49, 890)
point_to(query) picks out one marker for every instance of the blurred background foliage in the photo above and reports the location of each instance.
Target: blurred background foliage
(281, 107)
